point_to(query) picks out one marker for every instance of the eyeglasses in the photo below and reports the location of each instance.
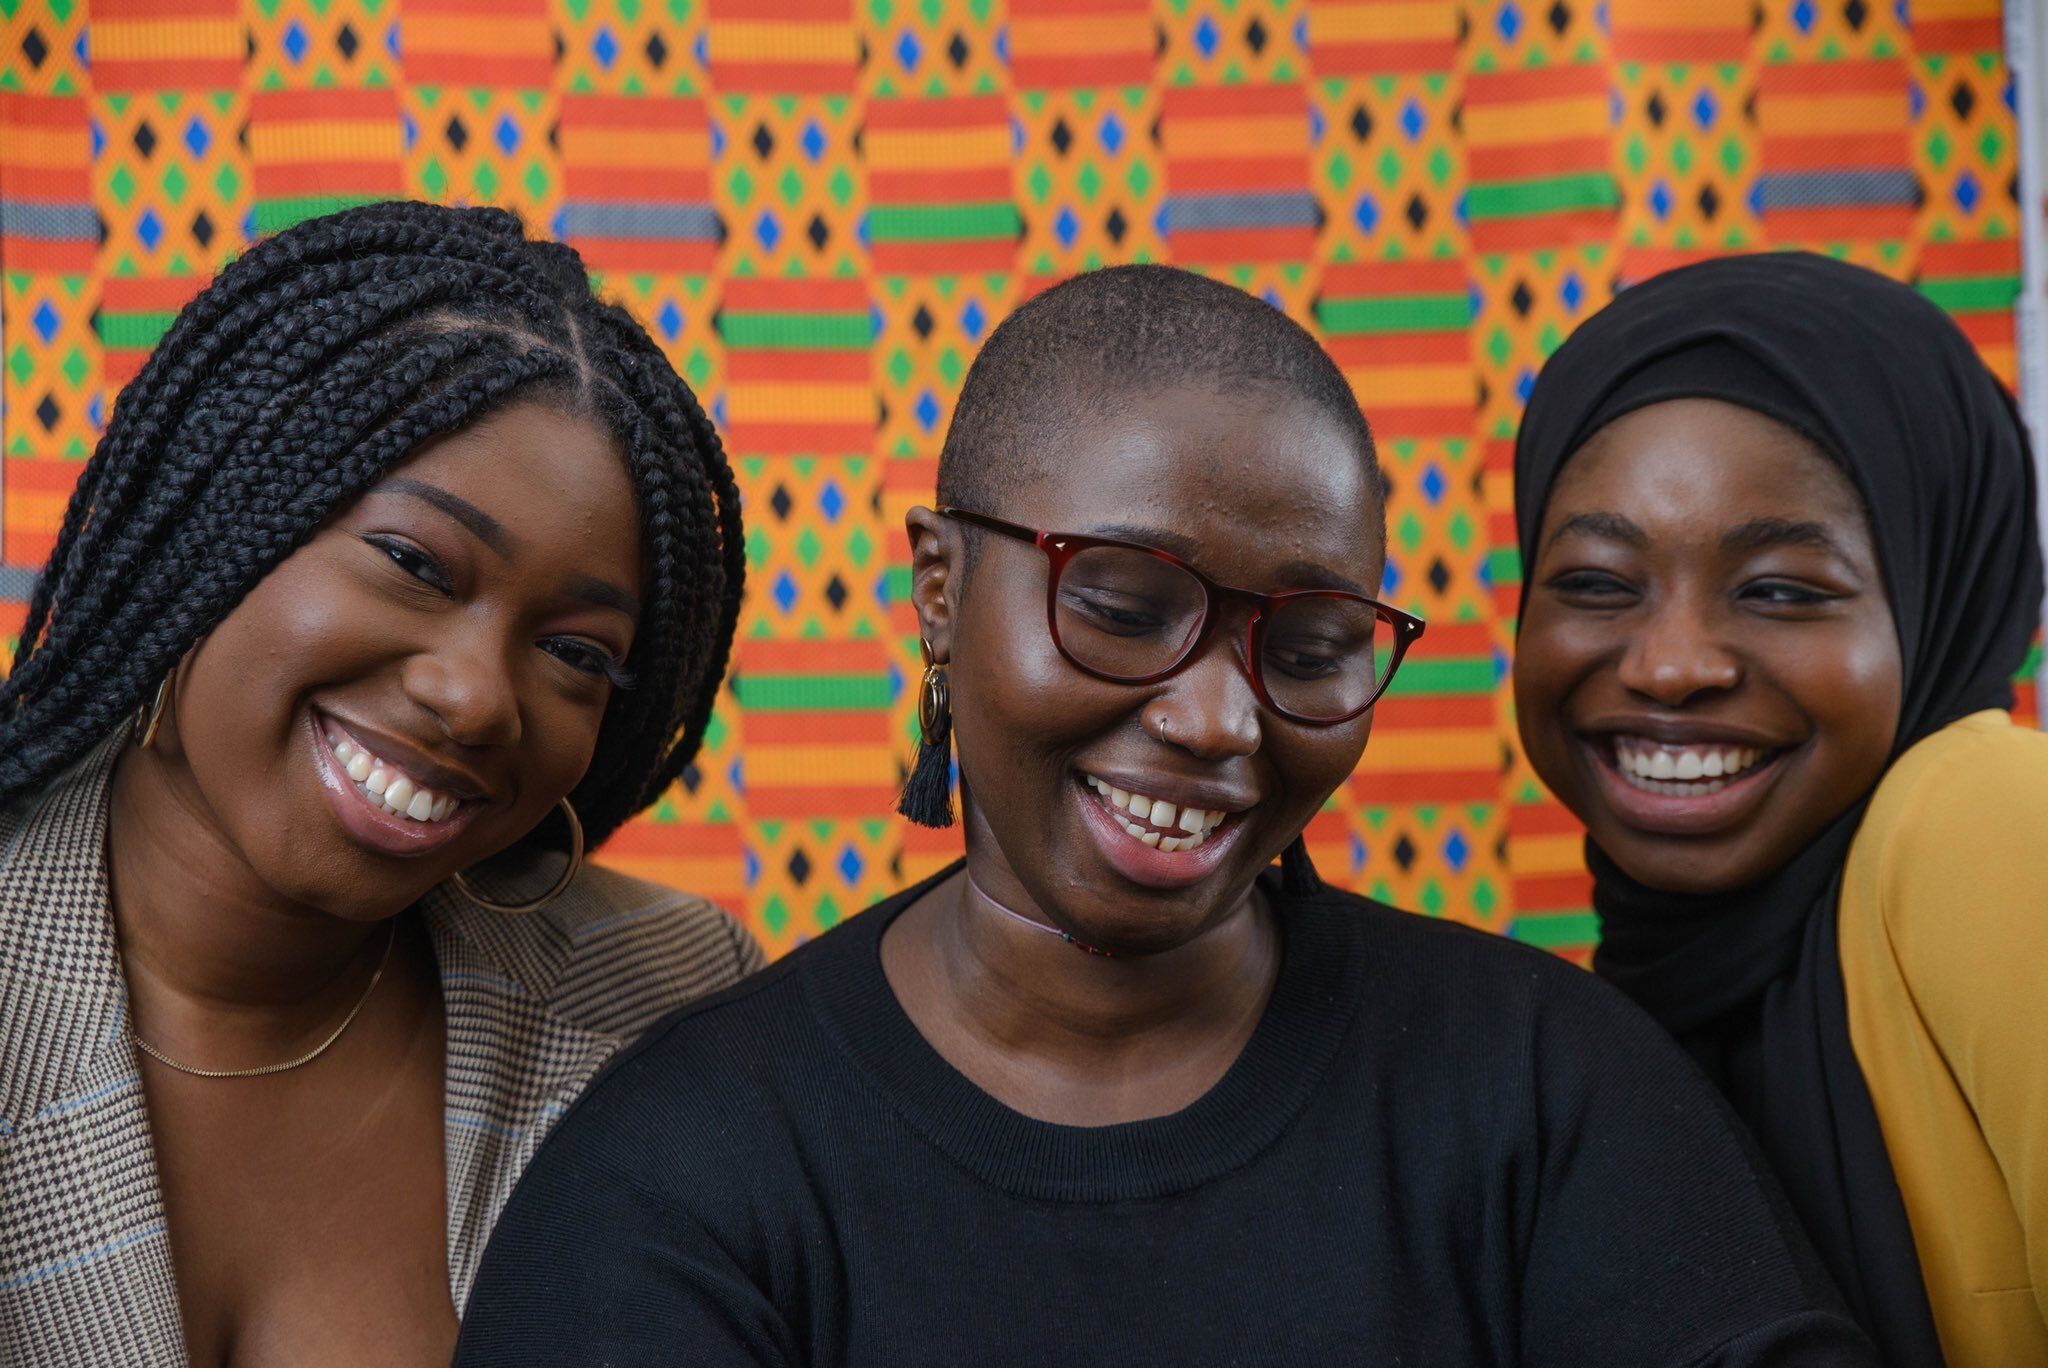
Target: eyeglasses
(1135, 615)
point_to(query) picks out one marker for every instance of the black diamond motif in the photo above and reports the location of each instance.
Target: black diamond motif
(202, 229)
(1439, 575)
(1560, 17)
(781, 503)
(835, 593)
(957, 52)
(145, 138)
(1710, 203)
(458, 135)
(1856, 12)
(921, 322)
(692, 777)
(657, 52)
(1404, 852)
(818, 232)
(1654, 107)
(1116, 226)
(1361, 123)
(1962, 100)
(799, 868)
(1521, 299)
(1062, 136)
(34, 48)
(1417, 213)
(561, 47)
(763, 140)
(345, 39)
(1255, 37)
(48, 413)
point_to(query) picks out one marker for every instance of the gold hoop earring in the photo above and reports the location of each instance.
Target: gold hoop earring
(149, 721)
(561, 884)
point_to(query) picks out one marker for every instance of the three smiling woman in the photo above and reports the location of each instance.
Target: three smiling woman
(415, 569)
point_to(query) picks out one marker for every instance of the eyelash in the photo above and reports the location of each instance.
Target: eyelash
(580, 656)
(1771, 593)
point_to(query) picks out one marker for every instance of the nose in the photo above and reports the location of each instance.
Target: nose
(1677, 655)
(468, 687)
(1208, 708)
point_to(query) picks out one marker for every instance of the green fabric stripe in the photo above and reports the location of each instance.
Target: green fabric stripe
(797, 332)
(1973, 294)
(1547, 195)
(274, 216)
(137, 330)
(1473, 675)
(1395, 314)
(1554, 930)
(1504, 565)
(812, 693)
(943, 222)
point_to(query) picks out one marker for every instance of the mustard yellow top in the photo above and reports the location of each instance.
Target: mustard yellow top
(1944, 941)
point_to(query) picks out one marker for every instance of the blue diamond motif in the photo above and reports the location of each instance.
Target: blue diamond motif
(295, 42)
(737, 776)
(1967, 192)
(1571, 292)
(1066, 227)
(669, 320)
(408, 130)
(812, 140)
(973, 320)
(1484, 574)
(767, 231)
(47, 322)
(1803, 15)
(1359, 854)
(1366, 213)
(1660, 200)
(393, 44)
(1525, 385)
(784, 591)
(1434, 484)
(507, 134)
(1413, 120)
(1002, 46)
(927, 411)
(1456, 851)
(850, 865)
(701, 49)
(150, 229)
(831, 502)
(1316, 126)
(1111, 134)
(605, 48)
(1390, 579)
(96, 407)
(907, 50)
(1206, 37)
(751, 863)
(1508, 22)
(1705, 110)
(197, 139)
(99, 138)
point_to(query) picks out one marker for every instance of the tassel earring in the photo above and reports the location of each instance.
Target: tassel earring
(928, 794)
(1298, 877)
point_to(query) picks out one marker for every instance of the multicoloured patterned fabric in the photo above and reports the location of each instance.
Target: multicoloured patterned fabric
(822, 208)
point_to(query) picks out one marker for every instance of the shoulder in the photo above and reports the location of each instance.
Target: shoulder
(1977, 764)
(615, 953)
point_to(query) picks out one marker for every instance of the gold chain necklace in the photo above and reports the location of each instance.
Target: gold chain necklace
(154, 1053)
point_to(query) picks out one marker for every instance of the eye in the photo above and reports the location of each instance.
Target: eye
(1121, 614)
(1786, 594)
(1592, 589)
(586, 658)
(415, 562)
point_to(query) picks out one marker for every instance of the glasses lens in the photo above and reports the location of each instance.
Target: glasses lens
(1126, 614)
(1325, 657)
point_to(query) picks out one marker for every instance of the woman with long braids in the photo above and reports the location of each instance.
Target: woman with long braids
(405, 572)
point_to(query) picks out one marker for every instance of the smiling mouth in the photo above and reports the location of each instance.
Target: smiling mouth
(385, 785)
(1692, 770)
(1155, 822)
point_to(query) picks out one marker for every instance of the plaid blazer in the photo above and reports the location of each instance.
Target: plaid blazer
(534, 1006)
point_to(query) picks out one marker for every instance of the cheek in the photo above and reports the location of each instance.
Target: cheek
(1850, 685)
(1551, 655)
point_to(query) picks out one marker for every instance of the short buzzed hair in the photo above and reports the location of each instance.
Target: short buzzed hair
(1070, 352)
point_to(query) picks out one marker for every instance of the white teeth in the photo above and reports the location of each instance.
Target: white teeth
(1689, 766)
(1185, 827)
(397, 794)
(1193, 821)
(1141, 806)
(1150, 838)
(344, 752)
(1711, 766)
(1119, 797)
(378, 781)
(359, 767)
(1163, 813)
(1688, 769)
(1662, 766)
(421, 807)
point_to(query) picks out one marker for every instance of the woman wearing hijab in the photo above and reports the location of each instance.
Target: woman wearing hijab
(1780, 536)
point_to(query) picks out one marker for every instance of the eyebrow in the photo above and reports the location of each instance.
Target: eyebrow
(603, 593)
(1606, 526)
(481, 525)
(1759, 534)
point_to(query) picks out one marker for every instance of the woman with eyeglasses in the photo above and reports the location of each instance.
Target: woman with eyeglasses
(1115, 1091)
(1782, 566)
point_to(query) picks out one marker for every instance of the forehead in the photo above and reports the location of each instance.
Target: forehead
(1690, 463)
(1251, 482)
(528, 463)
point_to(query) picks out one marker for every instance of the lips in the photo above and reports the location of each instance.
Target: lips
(1694, 788)
(404, 817)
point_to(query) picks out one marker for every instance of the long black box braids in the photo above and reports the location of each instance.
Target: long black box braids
(306, 370)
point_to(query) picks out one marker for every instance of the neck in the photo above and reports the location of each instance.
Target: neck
(211, 952)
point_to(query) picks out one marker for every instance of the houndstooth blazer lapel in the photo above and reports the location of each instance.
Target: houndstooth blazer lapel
(85, 1263)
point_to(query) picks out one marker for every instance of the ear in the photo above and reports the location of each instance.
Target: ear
(938, 564)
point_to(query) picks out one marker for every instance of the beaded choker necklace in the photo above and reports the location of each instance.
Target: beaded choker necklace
(1035, 925)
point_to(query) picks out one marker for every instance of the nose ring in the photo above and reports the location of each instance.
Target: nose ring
(1162, 730)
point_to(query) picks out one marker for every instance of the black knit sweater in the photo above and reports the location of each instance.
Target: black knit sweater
(1438, 1147)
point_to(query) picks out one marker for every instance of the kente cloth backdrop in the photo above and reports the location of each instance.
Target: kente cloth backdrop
(821, 209)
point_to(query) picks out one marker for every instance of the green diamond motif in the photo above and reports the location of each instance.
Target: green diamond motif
(1337, 169)
(697, 370)
(840, 187)
(536, 180)
(808, 548)
(950, 369)
(859, 548)
(1498, 347)
(740, 186)
(758, 547)
(1731, 155)
(1389, 168)
(1682, 156)
(486, 181)
(1089, 181)
(881, 11)
(1938, 148)
(122, 185)
(226, 182)
(1409, 533)
(20, 365)
(1038, 182)
(76, 367)
(1438, 166)
(791, 186)
(433, 178)
(775, 914)
(899, 367)
(1138, 179)
(1990, 146)
(1635, 155)
(175, 184)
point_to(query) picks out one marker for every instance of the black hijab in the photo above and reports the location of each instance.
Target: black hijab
(1751, 981)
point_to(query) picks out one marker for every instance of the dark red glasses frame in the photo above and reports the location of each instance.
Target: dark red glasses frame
(1062, 547)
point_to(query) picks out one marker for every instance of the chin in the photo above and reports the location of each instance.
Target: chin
(1674, 868)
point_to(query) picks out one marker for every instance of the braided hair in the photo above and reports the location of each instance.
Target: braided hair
(310, 367)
